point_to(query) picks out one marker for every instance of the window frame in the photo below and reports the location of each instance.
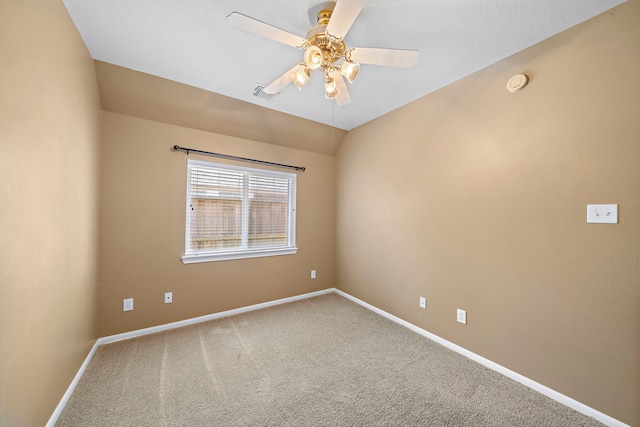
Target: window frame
(191, 256)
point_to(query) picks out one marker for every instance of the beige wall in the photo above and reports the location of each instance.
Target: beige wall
(475, 198)
(143, 200)
(49, 146)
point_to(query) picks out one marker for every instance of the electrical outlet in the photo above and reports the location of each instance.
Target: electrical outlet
(423, 302)
(127, 304)
(462, 316)
(168, 297)
(313, 274)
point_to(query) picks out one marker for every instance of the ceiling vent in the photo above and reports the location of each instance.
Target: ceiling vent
(258, 90)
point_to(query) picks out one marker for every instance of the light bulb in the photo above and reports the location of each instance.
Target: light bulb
(350, 70)
(313, 57)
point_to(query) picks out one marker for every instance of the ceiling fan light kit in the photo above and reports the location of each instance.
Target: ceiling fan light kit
(325, 50)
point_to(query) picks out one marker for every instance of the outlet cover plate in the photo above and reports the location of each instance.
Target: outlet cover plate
(461, 316)
(127, 304)
(313, 274)
(423, 302)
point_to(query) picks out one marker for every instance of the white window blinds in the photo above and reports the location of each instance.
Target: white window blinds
(235, 212)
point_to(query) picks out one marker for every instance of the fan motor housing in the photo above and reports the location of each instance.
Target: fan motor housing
(332, 50)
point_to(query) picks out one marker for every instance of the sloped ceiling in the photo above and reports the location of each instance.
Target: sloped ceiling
(137, 94)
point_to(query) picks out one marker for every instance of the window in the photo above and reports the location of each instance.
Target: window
(235, 212)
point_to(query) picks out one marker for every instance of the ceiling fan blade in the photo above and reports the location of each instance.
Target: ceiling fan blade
(389, 57)
(343, 97)
(253, 26)
(283, 80)
(342, 17)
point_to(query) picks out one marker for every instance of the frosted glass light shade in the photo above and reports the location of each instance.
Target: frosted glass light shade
(350, 70)
(330, 89)
(301, 78)
(313, 57)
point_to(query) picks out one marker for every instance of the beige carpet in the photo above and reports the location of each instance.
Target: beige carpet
(323, 361)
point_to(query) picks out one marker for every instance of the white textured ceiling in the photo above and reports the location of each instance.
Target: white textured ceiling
(190, 41)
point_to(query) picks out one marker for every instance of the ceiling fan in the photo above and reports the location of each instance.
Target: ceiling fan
(325, 50)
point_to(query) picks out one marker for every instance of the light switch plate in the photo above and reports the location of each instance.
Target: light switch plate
(602, 214)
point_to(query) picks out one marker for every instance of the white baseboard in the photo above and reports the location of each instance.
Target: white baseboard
(559, 397)
(72, 386)
(206, 318)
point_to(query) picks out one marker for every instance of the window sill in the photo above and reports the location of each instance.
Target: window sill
(226, 256)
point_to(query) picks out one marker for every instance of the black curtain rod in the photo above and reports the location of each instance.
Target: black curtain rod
(242, 159)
